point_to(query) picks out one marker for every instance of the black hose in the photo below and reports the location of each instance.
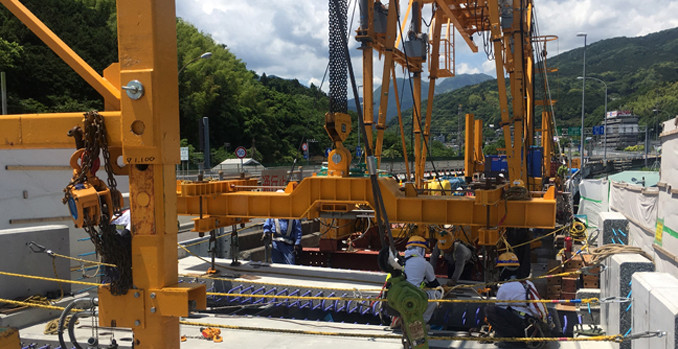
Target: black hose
(62, 318)
(71, 327)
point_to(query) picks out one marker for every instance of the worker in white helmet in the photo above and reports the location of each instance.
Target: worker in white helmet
(511, 319)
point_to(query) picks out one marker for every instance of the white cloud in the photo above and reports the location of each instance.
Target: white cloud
(465, 68)
(289, 38)
(489, 68)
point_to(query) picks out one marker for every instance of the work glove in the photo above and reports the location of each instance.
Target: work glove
(266, 236)
(297, 250)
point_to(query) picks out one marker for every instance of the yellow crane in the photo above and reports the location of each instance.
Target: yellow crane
(142, 129)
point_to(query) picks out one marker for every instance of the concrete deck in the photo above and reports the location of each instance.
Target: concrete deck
(241, 338)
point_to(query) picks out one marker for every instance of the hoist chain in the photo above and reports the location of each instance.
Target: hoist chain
(95, 141)
(107, 243)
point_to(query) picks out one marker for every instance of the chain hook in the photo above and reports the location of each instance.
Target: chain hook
(37, 248)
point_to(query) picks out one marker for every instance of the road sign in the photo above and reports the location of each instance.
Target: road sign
(184, 153)
(240, 152)
(304, 147)
(598, 130)
(327, 152)
(574, 131)
(358, 152)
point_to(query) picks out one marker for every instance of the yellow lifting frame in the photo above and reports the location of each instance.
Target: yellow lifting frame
(147, 129)
(314, 196)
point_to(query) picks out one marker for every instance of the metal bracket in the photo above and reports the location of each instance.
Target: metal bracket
(646, 334)
(587, 269)
(615, 300)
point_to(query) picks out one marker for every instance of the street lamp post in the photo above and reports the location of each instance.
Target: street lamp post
(583, 92)
(604, 118)
(655, 122)
(202, 56)
(205, 121)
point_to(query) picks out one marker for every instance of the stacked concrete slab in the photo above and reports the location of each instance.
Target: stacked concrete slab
(616, 318)
(655, 308)
(18, 258)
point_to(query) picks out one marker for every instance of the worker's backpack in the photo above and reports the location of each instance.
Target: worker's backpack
(539, 309)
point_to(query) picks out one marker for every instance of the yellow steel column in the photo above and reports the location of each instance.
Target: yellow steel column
(391, 26)
(433, 74)
(517, 79)
(478, 144)
(150, 127)
(400, 123)
(546, 141)
(495, 28)
(469, 145)
(419, 166)
(368, 71)
(529, 78)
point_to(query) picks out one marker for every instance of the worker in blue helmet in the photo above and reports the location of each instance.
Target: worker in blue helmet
(285, 235)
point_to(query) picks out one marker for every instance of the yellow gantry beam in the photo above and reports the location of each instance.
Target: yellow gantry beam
(31, 131)
(317, 195)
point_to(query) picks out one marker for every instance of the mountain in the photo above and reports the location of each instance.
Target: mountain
(641, 74)
(404, 91)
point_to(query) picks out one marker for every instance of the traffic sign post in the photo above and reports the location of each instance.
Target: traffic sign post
(304, 148)
(183, 151)
(240, 153)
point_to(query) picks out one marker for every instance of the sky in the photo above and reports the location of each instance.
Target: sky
(289, 38)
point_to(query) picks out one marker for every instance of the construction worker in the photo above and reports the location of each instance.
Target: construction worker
(512, 319)
(419, 272)
(285, 235)
(123, 239)
(455, 253)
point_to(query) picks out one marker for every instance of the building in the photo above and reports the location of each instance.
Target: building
(231, 166)
(622, 129)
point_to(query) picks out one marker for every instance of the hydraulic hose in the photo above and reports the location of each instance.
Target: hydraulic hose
(88, 302)
(71, 326)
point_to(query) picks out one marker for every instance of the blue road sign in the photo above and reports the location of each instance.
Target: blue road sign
(358, 151)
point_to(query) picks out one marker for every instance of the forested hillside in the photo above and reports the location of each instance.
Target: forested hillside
(272, 116)
(268, 115)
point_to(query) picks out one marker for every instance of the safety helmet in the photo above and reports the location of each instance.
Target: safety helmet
(508, 260)
(445, 240)
(417, 241)
(518, 183)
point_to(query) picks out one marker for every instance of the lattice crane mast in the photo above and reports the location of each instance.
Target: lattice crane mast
(507, 27)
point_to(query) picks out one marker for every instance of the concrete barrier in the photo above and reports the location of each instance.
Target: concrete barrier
(18, 258)
(614, 229)
(615, 281)
(655, 308)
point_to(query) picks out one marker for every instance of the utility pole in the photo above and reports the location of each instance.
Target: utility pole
(460, 122)
(3, 89)
(583, 94)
